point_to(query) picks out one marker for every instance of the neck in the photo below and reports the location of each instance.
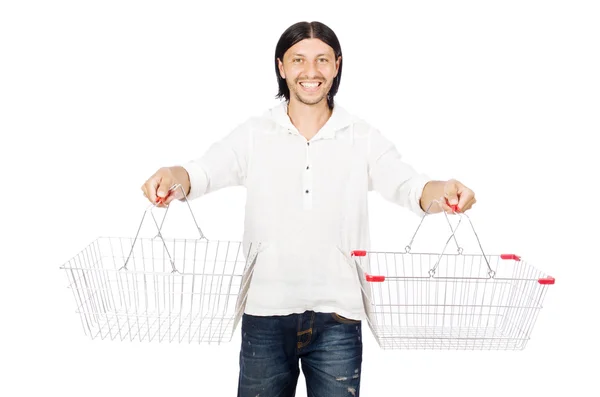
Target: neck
(308, 119)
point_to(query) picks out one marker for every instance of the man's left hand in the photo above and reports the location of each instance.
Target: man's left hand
(457, 196)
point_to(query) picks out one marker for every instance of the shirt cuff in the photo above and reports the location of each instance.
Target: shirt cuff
(416, 192)
(198, 179)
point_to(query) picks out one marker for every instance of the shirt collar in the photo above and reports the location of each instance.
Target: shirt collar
(339, 119)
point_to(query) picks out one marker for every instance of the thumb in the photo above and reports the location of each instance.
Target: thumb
(163, 189)
(451, 192)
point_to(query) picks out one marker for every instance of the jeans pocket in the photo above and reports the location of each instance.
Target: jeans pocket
(344, 320)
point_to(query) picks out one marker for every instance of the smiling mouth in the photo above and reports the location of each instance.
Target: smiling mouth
(311, 86)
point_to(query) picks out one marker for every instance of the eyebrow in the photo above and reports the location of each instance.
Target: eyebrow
(297, 54)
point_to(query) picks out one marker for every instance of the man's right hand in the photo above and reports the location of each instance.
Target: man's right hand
(158, 185)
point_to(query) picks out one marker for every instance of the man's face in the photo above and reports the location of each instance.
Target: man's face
(309, 68)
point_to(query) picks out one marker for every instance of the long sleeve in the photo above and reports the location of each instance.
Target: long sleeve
(224, 164)
(391, 177)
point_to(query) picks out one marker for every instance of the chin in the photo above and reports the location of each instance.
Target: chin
(310, 100)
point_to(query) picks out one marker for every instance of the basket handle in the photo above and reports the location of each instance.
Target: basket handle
(454, 208)
(160, 200)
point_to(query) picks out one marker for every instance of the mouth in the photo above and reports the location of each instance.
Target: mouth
(310, 86)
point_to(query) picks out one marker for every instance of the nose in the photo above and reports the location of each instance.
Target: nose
(311, 70)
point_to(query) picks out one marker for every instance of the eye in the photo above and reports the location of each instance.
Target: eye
(323, 60)
(297, 60)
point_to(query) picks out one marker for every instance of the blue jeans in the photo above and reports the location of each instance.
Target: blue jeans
(328, 346)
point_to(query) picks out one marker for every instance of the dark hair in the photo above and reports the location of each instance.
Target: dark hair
(298, 32)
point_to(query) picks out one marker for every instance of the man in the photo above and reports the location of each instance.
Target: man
(308, 166)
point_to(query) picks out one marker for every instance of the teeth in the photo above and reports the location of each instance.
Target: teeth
(309, 85)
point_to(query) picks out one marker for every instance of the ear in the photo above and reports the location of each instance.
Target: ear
(337, 65)
(281, 71)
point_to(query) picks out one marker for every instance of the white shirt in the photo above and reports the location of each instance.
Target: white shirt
(306, 201)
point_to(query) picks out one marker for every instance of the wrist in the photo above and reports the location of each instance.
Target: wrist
(181, 176)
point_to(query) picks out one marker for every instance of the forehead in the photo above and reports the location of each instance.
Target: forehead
(310, 47)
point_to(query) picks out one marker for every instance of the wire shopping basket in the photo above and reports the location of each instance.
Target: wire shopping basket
(450, 301)
(158, 289)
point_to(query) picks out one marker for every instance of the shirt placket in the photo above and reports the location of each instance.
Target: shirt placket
(308, 179)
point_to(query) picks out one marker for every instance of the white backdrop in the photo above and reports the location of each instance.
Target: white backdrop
(95, 96)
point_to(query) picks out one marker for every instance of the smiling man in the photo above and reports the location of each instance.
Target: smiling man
(309, 89)
(308, 166)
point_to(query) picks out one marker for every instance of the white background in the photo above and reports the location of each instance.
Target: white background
(95, 96)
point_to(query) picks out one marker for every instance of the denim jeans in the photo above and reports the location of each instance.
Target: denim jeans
(328, 346)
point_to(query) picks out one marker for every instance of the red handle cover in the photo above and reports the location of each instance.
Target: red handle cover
(359, 253)
(510, 256)
(374, 279)
(546, 280)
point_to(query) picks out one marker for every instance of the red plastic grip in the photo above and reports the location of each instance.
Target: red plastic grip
(546, 280)
(510, 256)
(359, 253)
(454, 207)
(374, 279)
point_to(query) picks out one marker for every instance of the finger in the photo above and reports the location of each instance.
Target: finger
(446, 207)
(465, 196)
(144, 190)
(166, 192)
(468, 205)
(152, 187)
(147, 190)
(162, 189)
(173, 194)
(451, 192)
(168, 200)
(176, 193)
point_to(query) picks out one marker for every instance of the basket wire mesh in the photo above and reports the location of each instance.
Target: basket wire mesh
(450, 301)
(158, 289)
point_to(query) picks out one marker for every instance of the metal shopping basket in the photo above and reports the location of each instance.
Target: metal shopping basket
(450, 300)
(158, 289)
